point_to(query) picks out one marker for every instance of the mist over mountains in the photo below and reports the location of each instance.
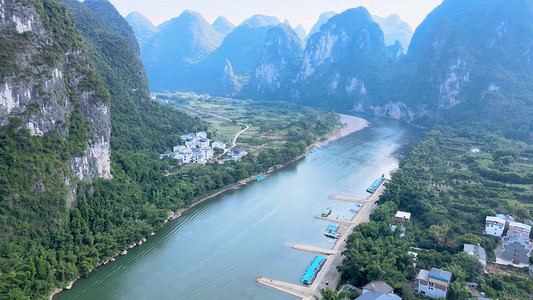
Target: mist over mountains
(461, 54)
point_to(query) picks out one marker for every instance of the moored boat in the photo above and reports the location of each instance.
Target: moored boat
(376, 184)
(259, 178)
(174, 217)
(332, 234)
(327, 212)
(312, 271)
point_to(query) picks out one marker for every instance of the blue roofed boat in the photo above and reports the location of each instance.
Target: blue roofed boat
(312, 271)
(332, 227)
(259, 178)
(376, 184)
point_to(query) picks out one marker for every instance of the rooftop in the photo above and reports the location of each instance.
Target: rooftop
(403, 215)
(440, 274)
(520, 225)
(423, 275)
(495, 219)
(379, 286)
(373, 295)
(476, 251)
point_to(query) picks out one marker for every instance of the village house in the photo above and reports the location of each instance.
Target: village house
(433, 283)
(494, 226)
(378, 290)
(197, 149)
(477, 252)
(201, 135)
(237, 154)
(401, 217)
(519, 228)
(187, 136)
(219, 144)
(202, 143)
(508, 218)
(207, 153)
(516, 248)
(167, 153)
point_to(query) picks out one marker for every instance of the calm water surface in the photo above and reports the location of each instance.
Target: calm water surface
(219, 248)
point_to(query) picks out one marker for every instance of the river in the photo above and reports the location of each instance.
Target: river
(217, 249)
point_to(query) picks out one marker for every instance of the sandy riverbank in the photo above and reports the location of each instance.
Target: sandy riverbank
(350, 124)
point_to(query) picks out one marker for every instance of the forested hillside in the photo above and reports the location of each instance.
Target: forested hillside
(449, 189)
(62, 214)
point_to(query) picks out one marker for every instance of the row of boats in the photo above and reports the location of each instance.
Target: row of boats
(311, 272)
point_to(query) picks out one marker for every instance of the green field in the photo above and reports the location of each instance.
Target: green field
(267, 121)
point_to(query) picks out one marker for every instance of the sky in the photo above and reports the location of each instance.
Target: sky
(303, 12)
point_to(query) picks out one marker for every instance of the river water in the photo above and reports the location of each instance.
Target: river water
(217, 249)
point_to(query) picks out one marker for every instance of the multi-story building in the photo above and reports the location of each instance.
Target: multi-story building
(203, 143)
(219, 144)
(519, 228)
(433, 283)
(494, 226)
(516, 248)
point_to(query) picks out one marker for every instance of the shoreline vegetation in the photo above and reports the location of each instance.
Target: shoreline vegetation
(349, 124)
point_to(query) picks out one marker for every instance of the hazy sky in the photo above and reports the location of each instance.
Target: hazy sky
(303, 12)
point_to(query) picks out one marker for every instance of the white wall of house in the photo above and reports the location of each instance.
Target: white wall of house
(494, 229)
(431, 291)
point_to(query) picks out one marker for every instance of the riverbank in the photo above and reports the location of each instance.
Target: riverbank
(351, 124)
(328, 275)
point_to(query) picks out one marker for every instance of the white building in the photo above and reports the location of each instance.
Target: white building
(237, 154)
(401, 217)
(178, 148)
(494, 226)
(191, 142)
(433, 283)
(207, 153)
(187, 136)
(197, 158)
(219, 144)
(203, 143)
(519, 228)
(183, 157)
(201, 135)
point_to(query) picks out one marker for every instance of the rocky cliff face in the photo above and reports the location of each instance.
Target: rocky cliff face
(340, 60)
(281, 57)
(467, 51)
(46, 81)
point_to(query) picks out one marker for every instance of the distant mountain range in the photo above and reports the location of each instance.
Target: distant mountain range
(462, 55)
(394, 29)
(143, 28)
